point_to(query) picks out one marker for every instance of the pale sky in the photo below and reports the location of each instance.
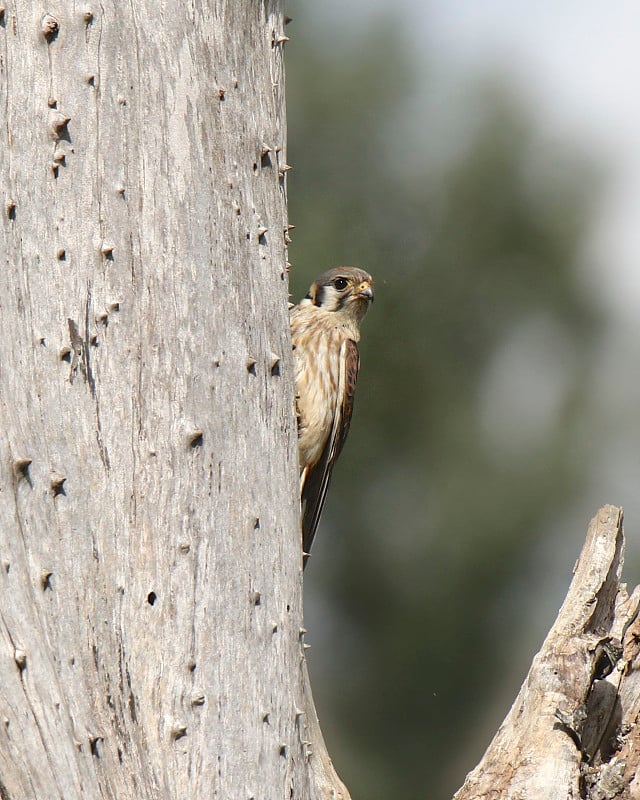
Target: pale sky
(579, 62)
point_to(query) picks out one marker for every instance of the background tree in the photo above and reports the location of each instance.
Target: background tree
(150, 632)
(472, 427)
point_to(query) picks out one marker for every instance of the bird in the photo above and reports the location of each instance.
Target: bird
(325, 330)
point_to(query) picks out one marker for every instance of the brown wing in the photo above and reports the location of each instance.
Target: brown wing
(316, 480)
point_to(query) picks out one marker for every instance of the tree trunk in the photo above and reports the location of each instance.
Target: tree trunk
(572, 731)
(150, 580)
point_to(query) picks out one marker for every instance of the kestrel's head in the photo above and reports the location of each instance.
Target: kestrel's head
(345, 290)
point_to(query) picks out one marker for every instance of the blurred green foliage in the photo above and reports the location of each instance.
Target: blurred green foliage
(451, 473)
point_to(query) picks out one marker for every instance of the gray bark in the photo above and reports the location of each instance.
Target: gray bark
(572, 731)
(150, 578)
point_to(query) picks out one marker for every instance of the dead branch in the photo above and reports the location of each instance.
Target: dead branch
(571, 732)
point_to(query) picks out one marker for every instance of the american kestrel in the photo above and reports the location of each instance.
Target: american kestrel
(325, 329)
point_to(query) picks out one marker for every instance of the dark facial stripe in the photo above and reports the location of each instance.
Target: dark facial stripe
(342, 300)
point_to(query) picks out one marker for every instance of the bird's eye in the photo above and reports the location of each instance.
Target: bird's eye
(341, 284)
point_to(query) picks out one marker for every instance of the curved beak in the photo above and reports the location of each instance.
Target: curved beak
(365, 290)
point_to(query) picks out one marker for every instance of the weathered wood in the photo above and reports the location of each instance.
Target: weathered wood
(571, 732)
(150, 580)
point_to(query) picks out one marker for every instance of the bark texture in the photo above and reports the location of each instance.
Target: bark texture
(150, 578)
(572, 731)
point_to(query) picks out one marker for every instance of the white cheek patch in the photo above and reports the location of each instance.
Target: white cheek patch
(329, 299)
